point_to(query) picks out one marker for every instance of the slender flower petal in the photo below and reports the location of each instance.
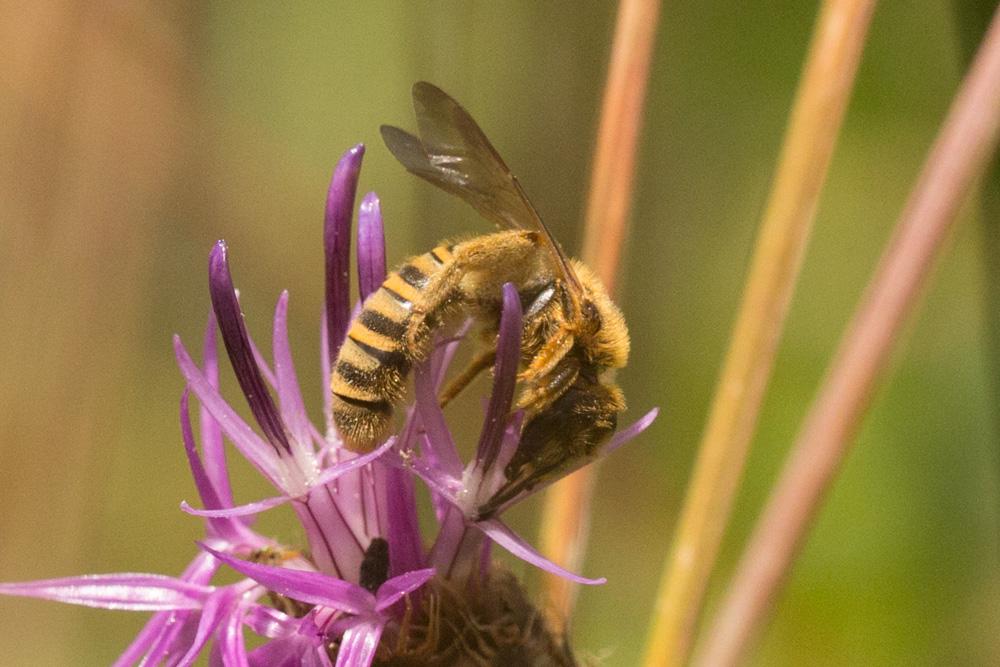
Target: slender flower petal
(371, 245)
(164, 625)
(232, 531)
(357, 649)
(211, 434)
(402, 530)
(234, 335)
(337, 245)
(128, 591)
(440, 447)
(504, 378)
(327, 476)
(252, 446)
(214, 611)
(231, 646)
(248, 509)
(293, 410)
(202, 482)
(393, 590)
(309, 587)
(505, 537)
(627, 434)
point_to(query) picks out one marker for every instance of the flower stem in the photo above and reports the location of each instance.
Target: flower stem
(960, 154)
(567, 504)
(812, 131)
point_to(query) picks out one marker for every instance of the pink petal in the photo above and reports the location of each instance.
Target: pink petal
(309, 587)
(239, 510)
(390, 592)
(324, 365)
(441, 451)
(624, 435)
(357, 647)
(241, 353)
(504, 379)
(212, 445)
(337, 245)
(271, 623)
(350, 465)
(163, 626)
(216, 608)
(371, 246)
(126, 591)
(505, 537)
(231, 644)
(289, 397)
(253, 447)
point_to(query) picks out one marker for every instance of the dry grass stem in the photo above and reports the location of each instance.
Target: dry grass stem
(815, 120)
(960, 154)
(567, 504)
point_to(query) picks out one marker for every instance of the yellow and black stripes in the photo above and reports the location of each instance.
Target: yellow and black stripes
(370, 372)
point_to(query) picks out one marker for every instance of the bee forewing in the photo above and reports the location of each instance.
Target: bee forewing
(454, 154)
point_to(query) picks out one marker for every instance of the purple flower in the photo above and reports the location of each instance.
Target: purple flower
(365, 588)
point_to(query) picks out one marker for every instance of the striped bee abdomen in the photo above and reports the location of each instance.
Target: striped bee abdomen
(369, 376)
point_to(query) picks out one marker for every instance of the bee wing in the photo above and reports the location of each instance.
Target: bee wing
(454, 154)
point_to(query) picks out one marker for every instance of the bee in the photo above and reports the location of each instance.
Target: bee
(573, 335)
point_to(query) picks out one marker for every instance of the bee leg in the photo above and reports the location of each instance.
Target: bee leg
(483, 360)
(551, 355)
(541, 392)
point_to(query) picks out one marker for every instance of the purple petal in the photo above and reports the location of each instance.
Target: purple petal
(457, 548)
(163, 626)
(255, 449)
(234, 335)
(400, 518)
(309, 587)
(212, 445)
(505, 537)
(333, 540)
(269, 622)
(441, 452)
(441, 483)
(239, 510)
(508, 444)
(445, 351)
(504, 379)
(126, 591)
(206, 489)
(173, 642)
(232, 531)
(215, 610)
(350, 465)
(324, 365)
(337, 245)
(231, 644)
(358, 645)
(289, 396)
(285, 652)
(390, 592)
(626, 434)
(371, 245)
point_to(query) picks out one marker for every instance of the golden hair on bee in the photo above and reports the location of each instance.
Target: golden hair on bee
(573, 334)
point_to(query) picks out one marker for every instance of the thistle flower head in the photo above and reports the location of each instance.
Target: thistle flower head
(364, 589)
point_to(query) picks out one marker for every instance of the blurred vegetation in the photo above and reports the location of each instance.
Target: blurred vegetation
(134, 135)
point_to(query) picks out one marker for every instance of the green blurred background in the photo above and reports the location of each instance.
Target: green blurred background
(136, 134)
